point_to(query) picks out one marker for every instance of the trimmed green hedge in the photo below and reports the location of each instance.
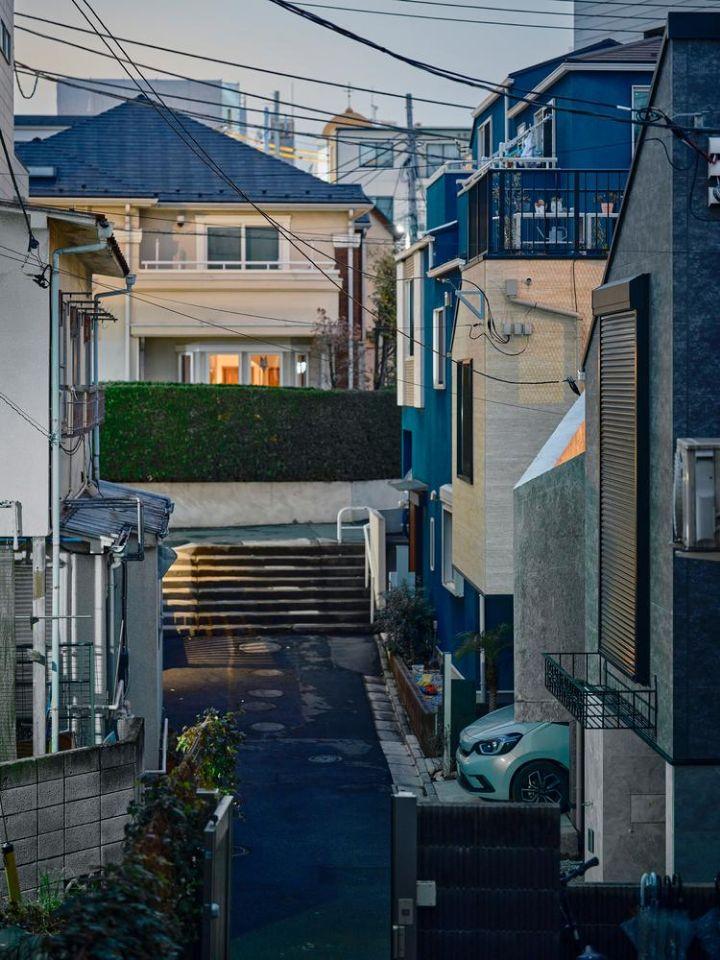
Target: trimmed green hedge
(196, 432)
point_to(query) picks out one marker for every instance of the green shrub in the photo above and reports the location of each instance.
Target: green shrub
(198, 432)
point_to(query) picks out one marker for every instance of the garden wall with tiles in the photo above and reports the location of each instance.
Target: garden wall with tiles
(65, 813)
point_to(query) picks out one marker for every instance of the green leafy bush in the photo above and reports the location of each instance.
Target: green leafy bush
(407, 619)
(198, 432)
(148, 906)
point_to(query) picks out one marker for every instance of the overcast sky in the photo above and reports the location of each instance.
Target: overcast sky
(258, 33)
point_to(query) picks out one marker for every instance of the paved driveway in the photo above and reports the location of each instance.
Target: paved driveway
(311, 869)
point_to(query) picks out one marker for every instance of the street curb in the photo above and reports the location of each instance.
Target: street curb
(405, 759)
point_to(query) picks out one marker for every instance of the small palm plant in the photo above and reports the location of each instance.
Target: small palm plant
(491, 643)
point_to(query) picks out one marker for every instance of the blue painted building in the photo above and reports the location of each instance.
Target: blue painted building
(428, 274)
(548, 186)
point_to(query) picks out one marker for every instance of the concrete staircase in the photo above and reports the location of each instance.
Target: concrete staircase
(240, 590)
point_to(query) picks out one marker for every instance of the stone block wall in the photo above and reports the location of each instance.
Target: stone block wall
(65, 813)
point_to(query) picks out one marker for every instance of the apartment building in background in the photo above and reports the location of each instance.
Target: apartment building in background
(377, 158)
(215, 102)
(231, 283)
(624, 22)
(7, 54)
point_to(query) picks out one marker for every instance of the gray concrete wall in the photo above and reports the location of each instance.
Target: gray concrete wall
(693, 821)
(252, 504)
(65, 813)
(624, 806)
(549, 540)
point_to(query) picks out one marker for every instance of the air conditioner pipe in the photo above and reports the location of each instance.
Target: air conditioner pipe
(104, 233)
(129, 284)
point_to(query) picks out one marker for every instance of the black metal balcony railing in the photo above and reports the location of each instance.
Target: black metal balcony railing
(84, 409)
(597, 696)
(544, 213)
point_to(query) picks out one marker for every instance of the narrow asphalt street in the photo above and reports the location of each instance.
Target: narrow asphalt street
(311, 864)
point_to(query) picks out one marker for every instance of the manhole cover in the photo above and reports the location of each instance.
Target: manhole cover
(268, 727)
(258, 646)
(325, 758)
(240, 852)
(257, 706)
(269, 694)
(267, 673)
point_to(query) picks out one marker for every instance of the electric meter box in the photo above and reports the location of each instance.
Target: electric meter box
(697, 494)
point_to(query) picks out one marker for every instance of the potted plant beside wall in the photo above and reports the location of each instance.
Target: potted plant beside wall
(407, 620)
(607, 203)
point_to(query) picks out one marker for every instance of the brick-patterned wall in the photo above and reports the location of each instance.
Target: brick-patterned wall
(65, 813)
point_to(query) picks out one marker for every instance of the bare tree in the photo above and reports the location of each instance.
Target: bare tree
(330, 341)
(384, 301)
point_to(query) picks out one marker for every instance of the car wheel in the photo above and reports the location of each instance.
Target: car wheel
(541, 782)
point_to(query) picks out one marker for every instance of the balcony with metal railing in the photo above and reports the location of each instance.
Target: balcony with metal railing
(535, 211)
(83, 409)
(598, 696)
(313, 264)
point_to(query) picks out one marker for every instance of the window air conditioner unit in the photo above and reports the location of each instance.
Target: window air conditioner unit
(697, 494)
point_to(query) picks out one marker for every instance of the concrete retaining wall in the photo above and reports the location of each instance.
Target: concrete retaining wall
(253, 504)
(65, 813)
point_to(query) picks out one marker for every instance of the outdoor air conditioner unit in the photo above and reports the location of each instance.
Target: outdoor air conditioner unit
(697, 494)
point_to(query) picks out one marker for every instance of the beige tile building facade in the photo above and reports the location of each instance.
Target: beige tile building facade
(542, 308)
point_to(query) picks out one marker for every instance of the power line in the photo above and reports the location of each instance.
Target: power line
(79, 83)
(427, 16)
(32, 241)
(274, 345)
(243, 66)
(608, 16)
(202, 154)
(455, 77)
(490, 86)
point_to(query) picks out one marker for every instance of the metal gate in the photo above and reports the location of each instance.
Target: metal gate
(217, 881)
(474, 881)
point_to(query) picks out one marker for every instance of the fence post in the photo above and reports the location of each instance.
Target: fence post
(403, 904)
(447, 713)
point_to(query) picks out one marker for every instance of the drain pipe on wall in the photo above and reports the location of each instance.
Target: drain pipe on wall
(104, 232)
(129, 284)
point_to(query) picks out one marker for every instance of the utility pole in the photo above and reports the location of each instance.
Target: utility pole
(411, 170)
(276, 115)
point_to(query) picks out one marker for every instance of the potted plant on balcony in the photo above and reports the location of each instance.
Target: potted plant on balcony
(556, 204)
(607, 202)
(540, 207)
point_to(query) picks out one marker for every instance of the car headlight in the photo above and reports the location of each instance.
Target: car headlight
(498, 745)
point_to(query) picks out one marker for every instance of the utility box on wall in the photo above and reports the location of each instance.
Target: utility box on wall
(697, 494)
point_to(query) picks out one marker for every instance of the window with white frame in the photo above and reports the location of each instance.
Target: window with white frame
(484, 140)
(242, 247)
(5, 41)
(446, 569)
(438, 346)
(436, 154)
(640, 99)
(379, 153)
(410, 315)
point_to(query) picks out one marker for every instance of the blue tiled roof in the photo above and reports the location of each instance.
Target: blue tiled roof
(132, 151)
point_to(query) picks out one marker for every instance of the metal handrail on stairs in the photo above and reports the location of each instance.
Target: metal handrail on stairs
(374, 540)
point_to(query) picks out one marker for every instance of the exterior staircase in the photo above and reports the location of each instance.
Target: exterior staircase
(240, 590)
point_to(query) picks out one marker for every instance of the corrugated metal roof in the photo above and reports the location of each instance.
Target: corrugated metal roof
(108, 513)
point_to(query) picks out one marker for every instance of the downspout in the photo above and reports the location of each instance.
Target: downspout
(126, 331)
(129, 284)
(55, 436)
(506, 104)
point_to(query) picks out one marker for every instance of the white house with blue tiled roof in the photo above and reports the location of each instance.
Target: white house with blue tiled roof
(233, 269)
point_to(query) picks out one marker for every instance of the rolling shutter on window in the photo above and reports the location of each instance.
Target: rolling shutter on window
(621, 469)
